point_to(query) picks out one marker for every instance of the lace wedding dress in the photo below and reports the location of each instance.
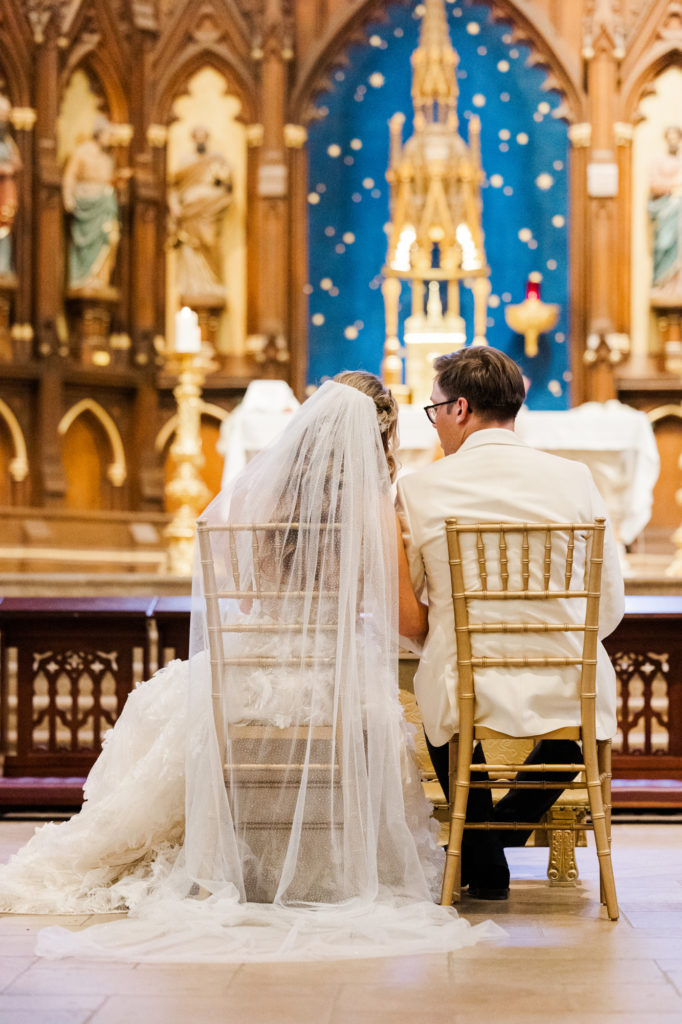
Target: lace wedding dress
(207, 865)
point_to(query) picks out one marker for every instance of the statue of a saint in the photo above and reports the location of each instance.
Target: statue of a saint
(90, 197)
(10, 165)
(665, 212)
(199, 194)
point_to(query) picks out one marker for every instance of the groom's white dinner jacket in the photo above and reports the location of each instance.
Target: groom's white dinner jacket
(496, 477)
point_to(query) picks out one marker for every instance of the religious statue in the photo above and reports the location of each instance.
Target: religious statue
(665, 212)
(10, 165)
(90, 197)
(200, 192)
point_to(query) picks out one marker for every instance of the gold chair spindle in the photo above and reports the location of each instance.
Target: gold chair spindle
(504, 563)
(570, 552)
(482, 567)
(525, 561)
(236, 575)
(547, 571)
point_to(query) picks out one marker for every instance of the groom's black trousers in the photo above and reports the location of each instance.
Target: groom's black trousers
(519, 804)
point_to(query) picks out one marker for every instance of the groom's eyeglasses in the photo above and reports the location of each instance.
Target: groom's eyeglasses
(430, 410)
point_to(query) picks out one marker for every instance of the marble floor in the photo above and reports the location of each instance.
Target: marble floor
(561, 962)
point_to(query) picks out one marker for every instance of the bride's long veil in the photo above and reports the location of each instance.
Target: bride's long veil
(306, 828)
(311, 806)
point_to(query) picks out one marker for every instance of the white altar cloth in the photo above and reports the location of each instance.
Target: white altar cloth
(617, 443)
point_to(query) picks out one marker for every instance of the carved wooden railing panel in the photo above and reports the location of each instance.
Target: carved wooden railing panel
(646, 650)
(67, 666)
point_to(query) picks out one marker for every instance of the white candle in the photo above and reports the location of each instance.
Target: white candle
(187, 331)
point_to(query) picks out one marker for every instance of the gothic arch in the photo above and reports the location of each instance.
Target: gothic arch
(17, 58)
(174, 83)
(116, 471)
(655, 47)
(222, 43)
(18, 467)
(528, 24)
(96, 46)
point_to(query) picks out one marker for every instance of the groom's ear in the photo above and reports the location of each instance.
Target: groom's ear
(462, 408)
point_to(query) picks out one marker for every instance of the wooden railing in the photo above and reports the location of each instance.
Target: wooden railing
(68, 664)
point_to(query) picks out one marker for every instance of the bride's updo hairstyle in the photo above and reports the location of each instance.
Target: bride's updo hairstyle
(386, 410)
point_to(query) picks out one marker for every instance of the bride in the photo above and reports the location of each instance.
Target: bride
(260, 801)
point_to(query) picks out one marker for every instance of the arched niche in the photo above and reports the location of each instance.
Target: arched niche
(658, 108)
(180, 69)
(89, 435)
(206, 101)
(84, 463)
(83, 100)
(99, 48)
(667, 423)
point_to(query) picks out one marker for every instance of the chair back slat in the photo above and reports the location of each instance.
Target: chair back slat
(525, 560)
(255, 554)
(482, 567)
(570, 552)
(547, 574)
(234, 560)
(504, 563)
(548, 558)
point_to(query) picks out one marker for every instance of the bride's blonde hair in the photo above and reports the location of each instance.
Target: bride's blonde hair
(386, 410)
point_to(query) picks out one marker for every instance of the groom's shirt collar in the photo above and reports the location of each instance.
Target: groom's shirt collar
(490, 435)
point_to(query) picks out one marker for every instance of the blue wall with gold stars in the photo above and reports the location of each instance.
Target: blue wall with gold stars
(524, 152)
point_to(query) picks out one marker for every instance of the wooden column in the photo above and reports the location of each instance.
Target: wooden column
(24, 121)
(272, 202)
(48, 264)
(602, 292)
(622, 136)
(147, 202)
(49, 242)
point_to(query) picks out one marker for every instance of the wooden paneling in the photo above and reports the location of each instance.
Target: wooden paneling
(58, 679)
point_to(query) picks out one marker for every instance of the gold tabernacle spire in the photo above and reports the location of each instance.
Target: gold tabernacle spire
(436, 235)
(434, 71)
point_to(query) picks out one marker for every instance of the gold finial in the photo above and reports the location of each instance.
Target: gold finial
(434, 66)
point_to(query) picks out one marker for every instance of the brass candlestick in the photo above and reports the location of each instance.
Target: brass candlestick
(186, 493)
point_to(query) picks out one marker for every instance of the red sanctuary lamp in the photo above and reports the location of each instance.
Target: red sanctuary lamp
(531, 317)
(532, 289)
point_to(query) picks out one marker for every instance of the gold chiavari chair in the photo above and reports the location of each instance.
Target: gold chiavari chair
(546, 572)
(263, 763)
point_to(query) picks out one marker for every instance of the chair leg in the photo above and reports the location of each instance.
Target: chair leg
(601, 831)
(605, 774)
(604, 765)
(460, 772)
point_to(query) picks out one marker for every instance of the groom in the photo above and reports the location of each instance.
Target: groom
(489, 474)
